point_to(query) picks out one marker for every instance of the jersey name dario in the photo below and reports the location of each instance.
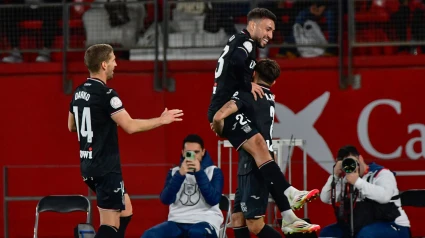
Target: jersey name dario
(93, 103)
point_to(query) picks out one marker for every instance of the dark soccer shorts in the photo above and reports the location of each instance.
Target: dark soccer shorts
(109, 191)
(238, 129)
(252, 195)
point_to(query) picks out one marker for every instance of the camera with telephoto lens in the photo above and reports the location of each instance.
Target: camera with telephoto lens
(349, 165)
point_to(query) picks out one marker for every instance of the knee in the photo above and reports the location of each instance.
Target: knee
(259, 140)
(238, 220)
(149, 233)
(366, 232)
(259, 147)
(330, 231)
(255, 225)
(196, 233)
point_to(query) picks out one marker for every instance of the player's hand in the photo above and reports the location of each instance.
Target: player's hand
(217, 127)
(212, 128)
(194, 164)
(169, 116)
(184, 167)
(256, 89)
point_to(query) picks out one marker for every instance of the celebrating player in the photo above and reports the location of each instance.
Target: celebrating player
(94, 112)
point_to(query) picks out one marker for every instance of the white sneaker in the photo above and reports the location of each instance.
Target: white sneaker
(43, 56)
(14, 57)
(300, 198)
(299, 226)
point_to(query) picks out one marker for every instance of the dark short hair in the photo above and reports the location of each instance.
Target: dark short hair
(193, 138)
(347, 150)
(260, 13)
(95, 55)
(268, 70)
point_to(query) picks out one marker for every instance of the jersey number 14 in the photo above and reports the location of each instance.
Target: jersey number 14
(86, 130)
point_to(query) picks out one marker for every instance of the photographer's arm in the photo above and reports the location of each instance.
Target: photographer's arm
(382, 190)
(325, 194)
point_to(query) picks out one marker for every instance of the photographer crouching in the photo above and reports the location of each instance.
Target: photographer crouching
(368, 190)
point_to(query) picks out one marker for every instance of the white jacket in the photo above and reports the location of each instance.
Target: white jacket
(381, 188)
(190, 206)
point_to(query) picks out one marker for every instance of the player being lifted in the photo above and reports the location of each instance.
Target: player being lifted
(94, 112)
(234, 72)
(252, 194)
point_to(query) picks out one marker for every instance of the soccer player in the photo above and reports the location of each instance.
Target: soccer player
(234, 72)
(94, 113)
(253, 189)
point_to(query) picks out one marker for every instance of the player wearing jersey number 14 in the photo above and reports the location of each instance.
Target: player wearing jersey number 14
(94, 113)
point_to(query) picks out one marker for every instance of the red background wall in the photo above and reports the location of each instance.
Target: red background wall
(34, 129)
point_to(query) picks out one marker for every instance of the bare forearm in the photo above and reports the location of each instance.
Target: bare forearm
(228, 109)
(140, 125)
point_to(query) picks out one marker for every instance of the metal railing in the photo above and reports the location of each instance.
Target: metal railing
(175, 29)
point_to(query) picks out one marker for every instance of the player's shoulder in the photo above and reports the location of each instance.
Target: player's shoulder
(267, 90)
(269, 96)
(242, 94)
(242, 39)
(110, 91)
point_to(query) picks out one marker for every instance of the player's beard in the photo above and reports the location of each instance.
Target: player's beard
(259, 45)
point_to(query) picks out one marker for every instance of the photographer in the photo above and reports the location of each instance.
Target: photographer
(376, 213)
(193, 191)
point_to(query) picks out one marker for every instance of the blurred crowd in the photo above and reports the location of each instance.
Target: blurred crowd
(129, 24)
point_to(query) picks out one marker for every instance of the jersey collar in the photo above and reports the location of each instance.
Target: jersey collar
(245, 31)
(97, 80)
(264, 85)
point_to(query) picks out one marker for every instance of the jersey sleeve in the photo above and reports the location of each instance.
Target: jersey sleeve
(242, 99)
(239, 61)
(113, 102)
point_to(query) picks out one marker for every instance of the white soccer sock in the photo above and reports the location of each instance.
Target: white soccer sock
(288, 216)
(289, 192)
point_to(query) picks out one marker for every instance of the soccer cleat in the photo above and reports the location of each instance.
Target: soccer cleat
(299, 226)
(302, 197)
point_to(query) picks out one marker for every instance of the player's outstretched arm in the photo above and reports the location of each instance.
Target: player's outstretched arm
(71, 123)
(226, 110)
(130, 125)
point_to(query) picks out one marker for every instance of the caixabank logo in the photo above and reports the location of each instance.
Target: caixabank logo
(301, 125)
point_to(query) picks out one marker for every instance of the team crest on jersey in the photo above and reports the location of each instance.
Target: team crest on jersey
(116, 102)
(246, 128)
(190, 195)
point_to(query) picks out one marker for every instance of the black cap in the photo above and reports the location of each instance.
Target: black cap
(346, 151)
